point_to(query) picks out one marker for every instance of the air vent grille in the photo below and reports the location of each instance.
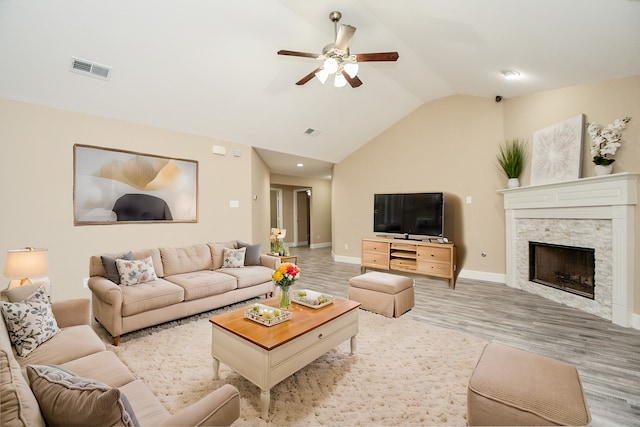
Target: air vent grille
(88, 68)
(312, 132)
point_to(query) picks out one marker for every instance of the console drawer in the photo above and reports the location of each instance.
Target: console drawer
(434, 268)
(375, 259)
(430, 253)
(369, 246)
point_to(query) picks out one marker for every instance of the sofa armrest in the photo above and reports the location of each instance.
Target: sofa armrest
(105, 290)
(72, 312)
(219, 408)
(273, 262)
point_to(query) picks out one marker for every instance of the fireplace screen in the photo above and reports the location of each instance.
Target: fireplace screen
(568, 268)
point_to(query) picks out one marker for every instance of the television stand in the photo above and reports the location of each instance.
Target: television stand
(408, 238)
(410, 256)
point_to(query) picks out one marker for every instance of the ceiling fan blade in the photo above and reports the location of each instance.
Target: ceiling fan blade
(302, 54)
(345, 33)
(308, 77)
(353, 81)
(380, 56)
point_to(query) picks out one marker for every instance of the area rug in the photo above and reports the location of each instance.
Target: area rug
(403, 373)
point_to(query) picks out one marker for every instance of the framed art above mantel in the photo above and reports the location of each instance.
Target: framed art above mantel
(557, 152)
(112, 186)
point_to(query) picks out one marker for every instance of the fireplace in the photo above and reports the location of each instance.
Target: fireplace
(595, 212)
(568, 268)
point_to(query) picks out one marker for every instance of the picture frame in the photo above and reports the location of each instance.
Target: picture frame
(557, 152)
(112, 186)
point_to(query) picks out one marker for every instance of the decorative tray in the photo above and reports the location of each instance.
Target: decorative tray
(266, 315)
(311, 299)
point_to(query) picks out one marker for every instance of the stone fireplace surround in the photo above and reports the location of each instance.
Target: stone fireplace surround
(596, 212)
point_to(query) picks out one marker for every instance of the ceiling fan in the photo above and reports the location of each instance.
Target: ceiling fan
(337, 59)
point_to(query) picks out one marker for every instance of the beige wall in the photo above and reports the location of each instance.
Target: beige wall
(450, 145)
(261, 200)
(36, 171)
(446, 145)
(320, 215)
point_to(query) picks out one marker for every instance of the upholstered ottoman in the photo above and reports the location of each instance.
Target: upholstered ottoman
(383, 293)
(514, 387)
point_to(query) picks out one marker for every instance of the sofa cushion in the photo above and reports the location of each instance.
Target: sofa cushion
(21, 293)
(177, 260)
(204, 283)
(148, 409)
(148, 296)
(136, 271)
(103, 366)
(73, 342)
(217, 252)
(69, 400)
(249, 276)
(30, 322)
(252, 256)
(155, 257)
(233, 258)
(18, 405)
(110, 267)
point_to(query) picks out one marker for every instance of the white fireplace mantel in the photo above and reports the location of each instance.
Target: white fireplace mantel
(609, 197)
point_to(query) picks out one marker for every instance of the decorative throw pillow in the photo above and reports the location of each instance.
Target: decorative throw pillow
(66, 399)
(30, 322)
(136, 271)
(233, 258)
(110, 268)
(252, 256)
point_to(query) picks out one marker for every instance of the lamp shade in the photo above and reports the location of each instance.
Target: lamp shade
(351, 68)
(339, 80)
(331, 65)
(26, 262)
(322, 75)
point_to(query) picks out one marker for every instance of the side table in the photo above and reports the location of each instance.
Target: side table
(287, 258)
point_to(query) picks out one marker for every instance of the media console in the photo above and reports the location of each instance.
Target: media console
(419, 257)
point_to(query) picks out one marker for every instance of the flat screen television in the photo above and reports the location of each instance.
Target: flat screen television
(418, 214)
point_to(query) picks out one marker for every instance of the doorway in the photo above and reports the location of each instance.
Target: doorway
(302, 217)
(276, 208)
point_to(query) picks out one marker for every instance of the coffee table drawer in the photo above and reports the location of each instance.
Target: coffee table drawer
(320, 340)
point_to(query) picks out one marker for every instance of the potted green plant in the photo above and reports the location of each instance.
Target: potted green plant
(512, 156)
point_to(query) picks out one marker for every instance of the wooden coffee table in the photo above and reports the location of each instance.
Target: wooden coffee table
(266, 355)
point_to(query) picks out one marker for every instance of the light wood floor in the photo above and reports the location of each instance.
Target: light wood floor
(607, 356)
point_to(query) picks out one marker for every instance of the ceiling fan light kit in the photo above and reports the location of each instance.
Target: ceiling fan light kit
(337, 59)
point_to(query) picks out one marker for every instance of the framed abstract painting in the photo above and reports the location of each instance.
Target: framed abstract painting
(557, 152)
(113, 186)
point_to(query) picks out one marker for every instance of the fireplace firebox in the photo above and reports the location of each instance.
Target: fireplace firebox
(568, 268)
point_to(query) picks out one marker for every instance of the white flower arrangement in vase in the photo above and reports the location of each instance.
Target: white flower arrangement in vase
(605, 141)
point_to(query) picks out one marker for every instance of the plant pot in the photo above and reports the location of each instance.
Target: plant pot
(603, 169)
(513, 183)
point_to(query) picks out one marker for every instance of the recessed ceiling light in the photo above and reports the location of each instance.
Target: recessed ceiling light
(300, 165)
(510, 74)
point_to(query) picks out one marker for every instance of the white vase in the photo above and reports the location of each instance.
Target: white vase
(513, 183)
(603, 169)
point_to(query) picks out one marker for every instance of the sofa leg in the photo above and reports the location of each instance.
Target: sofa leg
(116, 340)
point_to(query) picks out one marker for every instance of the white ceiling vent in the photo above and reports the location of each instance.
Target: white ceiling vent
(88, 68)
(312, 132)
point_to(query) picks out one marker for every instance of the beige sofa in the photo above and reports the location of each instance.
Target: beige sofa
(190, 280)
(79, 350)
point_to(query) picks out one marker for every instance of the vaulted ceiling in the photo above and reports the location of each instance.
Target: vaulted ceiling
(209, 67)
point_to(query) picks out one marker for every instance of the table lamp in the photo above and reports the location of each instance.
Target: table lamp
(25, 263)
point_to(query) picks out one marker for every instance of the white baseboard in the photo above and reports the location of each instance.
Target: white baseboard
(346, 259)
(320, 245)
(635, 321)
(483, 275)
